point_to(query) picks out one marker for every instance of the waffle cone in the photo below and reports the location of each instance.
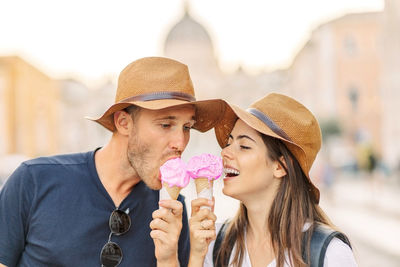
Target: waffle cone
(202, 183)
(172, 191)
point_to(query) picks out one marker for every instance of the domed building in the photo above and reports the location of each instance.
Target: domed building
(190, 42)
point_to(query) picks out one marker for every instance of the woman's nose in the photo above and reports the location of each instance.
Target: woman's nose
(226, 153)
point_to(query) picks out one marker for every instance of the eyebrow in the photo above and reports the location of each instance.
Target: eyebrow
(243, 136)
(173, 118)
(166, 118)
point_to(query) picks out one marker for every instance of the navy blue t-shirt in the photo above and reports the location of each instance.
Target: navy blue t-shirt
(54, 211)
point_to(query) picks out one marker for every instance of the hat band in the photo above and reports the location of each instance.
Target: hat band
(270, 123)
(159, 96)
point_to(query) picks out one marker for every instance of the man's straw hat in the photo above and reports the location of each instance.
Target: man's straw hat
(281, 117)
(158, 83)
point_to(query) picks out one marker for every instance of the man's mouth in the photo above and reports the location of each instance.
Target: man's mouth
(163, 162)
(170, 158)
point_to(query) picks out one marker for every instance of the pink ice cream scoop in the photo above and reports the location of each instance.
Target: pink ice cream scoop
(173, 172)
(205, 166)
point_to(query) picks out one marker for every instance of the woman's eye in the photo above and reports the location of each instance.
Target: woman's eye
(244, 147)
(227, 145)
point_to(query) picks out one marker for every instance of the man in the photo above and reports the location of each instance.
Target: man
(96, 208)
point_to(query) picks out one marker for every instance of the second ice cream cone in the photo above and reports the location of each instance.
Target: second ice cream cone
(204, 189)
(202, 183)
(204, 169)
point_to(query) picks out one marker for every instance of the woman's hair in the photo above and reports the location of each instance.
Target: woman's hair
(291, 208)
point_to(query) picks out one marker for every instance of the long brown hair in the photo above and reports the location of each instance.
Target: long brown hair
(291, 208)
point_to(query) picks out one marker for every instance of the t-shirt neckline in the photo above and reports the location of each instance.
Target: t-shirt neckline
(130, 201)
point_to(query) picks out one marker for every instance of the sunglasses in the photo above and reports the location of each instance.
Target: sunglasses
(119, 223)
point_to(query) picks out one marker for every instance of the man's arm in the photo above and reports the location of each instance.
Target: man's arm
(1, 265)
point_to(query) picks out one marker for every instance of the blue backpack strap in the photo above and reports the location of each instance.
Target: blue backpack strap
(218, 241)
(320, 239)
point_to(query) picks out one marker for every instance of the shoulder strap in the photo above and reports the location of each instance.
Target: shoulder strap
(218, 241)
(320, 239)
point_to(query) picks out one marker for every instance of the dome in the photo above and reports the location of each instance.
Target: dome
(187, 30)
(188, 41)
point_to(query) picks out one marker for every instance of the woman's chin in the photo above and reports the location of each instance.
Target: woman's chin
(227, 192)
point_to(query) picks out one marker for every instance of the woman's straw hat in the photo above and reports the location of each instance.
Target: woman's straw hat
(281, 117)
(158, 83)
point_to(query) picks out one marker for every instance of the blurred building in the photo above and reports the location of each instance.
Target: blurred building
(390, 83)
(337, 75)
(29, 103)
(42, 116)
(78, 101)
(348, 70)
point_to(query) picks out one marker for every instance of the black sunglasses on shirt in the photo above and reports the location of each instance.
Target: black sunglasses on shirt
(119, 223)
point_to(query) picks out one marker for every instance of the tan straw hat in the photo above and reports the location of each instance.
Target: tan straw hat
(157, 83)
(281, 117)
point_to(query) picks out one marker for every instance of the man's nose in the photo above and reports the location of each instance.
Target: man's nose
(179, 140)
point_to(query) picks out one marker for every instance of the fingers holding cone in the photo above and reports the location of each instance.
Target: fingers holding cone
(202, 228)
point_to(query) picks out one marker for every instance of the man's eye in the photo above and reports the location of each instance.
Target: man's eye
(187, 128)
(165, 125)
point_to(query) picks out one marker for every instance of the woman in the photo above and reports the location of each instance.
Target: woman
(267, 152)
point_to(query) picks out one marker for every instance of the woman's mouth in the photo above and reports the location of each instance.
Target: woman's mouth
(230, 172)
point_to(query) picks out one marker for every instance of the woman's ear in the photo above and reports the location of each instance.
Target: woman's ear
(279, 170)
(122, 121)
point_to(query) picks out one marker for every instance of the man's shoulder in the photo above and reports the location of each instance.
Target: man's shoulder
(62, 159)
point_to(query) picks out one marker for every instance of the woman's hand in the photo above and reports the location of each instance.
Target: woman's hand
(202, 230)
(166, 228)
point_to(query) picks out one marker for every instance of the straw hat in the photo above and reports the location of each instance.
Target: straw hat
(157, 83)
(281, 117)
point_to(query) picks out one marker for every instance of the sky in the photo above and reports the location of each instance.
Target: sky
(90, 39)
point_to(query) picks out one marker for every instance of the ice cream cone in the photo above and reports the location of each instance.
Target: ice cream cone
(204, 189)
(202, 183)
(172, 191)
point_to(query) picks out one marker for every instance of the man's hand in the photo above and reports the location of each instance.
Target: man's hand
(166, 228)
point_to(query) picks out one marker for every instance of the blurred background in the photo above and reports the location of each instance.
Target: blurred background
(59, 62)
